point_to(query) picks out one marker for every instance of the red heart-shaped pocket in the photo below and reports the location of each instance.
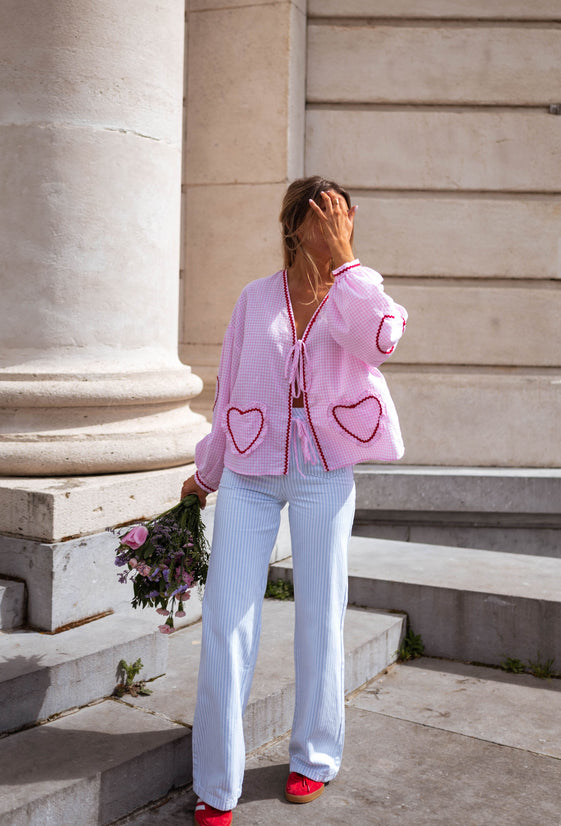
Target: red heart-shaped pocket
(244, 427)
(361, 419)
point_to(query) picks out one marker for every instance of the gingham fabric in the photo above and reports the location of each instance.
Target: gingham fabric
(263, 365)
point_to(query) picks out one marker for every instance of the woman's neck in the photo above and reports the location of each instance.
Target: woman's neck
(302, 279)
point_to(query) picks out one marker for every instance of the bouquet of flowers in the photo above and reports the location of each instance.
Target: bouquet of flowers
(165, 558)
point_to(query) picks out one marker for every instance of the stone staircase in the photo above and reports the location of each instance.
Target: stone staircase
(42, 675)
(515, 510)
(104, 760)
(12, 604)
(71, 755)
(467, 604)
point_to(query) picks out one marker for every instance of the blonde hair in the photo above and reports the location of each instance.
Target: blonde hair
(294, 210)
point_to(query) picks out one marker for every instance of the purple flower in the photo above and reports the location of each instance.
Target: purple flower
(136, 537)
(154, 594)
(120, 561)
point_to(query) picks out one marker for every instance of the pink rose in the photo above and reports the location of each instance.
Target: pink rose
(133, 562)
(162, 611)
(135, 537)
(165, 629)
(180, 613)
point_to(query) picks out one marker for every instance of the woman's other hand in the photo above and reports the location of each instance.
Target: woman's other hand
(190, 486)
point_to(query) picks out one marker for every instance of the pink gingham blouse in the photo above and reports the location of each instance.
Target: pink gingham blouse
(263, 365)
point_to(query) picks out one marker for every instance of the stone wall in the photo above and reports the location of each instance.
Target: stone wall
(243, 141)
(437, 116)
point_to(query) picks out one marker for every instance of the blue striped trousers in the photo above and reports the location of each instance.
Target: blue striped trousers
(321, 509)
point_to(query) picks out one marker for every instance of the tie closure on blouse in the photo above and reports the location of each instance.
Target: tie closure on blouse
(294, 369)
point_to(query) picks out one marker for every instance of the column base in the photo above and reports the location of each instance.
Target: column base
(53, 535)
(76, 424)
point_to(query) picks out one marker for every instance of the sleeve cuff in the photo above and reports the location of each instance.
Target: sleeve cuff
(347, 266)
(201, 484)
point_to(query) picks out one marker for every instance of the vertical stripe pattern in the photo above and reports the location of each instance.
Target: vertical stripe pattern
(321, 510)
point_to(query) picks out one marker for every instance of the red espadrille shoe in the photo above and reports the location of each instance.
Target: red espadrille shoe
(206, 815)
(300, 789)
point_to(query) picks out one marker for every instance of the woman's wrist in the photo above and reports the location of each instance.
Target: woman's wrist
(348, 265)
(341, 255)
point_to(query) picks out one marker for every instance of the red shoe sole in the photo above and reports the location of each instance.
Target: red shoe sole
(304, 798)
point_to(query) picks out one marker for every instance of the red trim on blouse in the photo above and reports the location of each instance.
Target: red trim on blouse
(242, 413)
(310, 323)
(385, 352)
(201, 484)
(320, 451)
(294, 339)
(217, 392)
(287, 441)
(351, 407)
(346, 269)
(305, 335)
(313, 318)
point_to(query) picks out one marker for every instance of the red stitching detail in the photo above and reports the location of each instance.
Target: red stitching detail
(201, 484)
(325, 465)
(351, 407)
(242, 413)
(217, 392)
(350, 267)
(311, 322)
(313, 318)
(385, 352)
(289, 306)
(287, 443)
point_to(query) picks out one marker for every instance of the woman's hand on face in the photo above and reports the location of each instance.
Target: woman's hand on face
(336, 222)
(190, 486)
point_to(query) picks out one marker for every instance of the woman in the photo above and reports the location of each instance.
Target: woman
(299, 400)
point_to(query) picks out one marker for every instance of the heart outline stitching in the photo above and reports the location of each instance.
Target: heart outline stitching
(244, 413)
(352, 407)
(385, 352)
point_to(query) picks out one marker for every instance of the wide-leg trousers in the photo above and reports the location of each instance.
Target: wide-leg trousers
(321, 509)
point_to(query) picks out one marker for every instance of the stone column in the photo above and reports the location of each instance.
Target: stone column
(90, 165)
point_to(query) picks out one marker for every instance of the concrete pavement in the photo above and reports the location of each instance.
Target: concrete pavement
(429, 743)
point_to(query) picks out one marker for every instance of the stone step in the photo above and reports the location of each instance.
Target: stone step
(99, 763)
(467, 604)
(12, 604)
(515, 510)
(90, 767)
(43, 674)
(371, 642)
